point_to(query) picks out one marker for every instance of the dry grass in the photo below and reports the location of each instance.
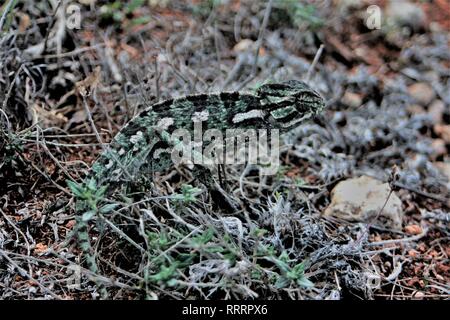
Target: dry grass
(65, 93)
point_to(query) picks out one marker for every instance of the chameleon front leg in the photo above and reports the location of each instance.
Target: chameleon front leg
(222, 176)
(219, 196)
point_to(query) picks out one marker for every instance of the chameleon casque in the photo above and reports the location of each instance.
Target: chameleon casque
(280, 106)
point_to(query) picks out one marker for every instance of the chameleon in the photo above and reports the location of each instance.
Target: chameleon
(281, 106)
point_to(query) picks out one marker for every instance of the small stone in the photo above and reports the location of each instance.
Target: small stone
(413, 253)
(40, 247)
(436, 111)
(418, 295)
(244, 45)
(422, 93)
(415, 109)
(435, 27)
(413, 229)
(444, 167)
(351, 99)
(70, 224)
(443, 131)
(439, 148)
(361, 199)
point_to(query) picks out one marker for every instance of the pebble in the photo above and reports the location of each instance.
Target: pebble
(413, 229)
(439, 148)
(443, 131)
(351, 99)
(361, 199)
(436, 111)
(422, 93)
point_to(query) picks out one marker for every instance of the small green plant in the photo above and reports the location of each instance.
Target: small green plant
(118, 11)
(171, 256)
(299, 182)
(188, 194)
(92, 196)
(204, 8)
(282, 170)
(301, 14)
(166, 274)
(290, 274)
(203, 238)
(12, 145)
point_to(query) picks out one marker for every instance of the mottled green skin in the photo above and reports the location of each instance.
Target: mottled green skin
(281, 103)
(277, 106)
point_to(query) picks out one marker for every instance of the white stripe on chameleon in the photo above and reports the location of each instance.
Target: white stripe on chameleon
(200, 116)
(158, 152)
(109, 164)
(255, 113)
(164, 123)
(135, 138)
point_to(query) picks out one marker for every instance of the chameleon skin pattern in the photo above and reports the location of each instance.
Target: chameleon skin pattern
(280, 106)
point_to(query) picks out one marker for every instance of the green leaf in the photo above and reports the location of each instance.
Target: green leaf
(108, 208)
(83, 236)
(92, 184)
(165, 274)
(134, 4)
(101, 192)
(117, 16)
(88, 215)
(172, 282)
(281, 262)
(256, 275)
(305, 282)
(85, 246)
(76, 189)
(186, 259)
(204, 238)
(282, 282)
(140, 20)
(257, 232)
(299, 268)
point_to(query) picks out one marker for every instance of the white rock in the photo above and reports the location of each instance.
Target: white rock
(436, 110)
(422, 93)
(244, 45)
(361, 199)
(351, 99)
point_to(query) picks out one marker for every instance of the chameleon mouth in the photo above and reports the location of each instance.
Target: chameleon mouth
(292, 123)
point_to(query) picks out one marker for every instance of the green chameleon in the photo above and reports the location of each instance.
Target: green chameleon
(133, 151)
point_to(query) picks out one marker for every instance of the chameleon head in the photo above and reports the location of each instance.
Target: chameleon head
(289, 103)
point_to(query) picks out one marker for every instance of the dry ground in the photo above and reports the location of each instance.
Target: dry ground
(65, 92)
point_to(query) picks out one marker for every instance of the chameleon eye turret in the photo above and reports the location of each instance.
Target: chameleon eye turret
(289, 103)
